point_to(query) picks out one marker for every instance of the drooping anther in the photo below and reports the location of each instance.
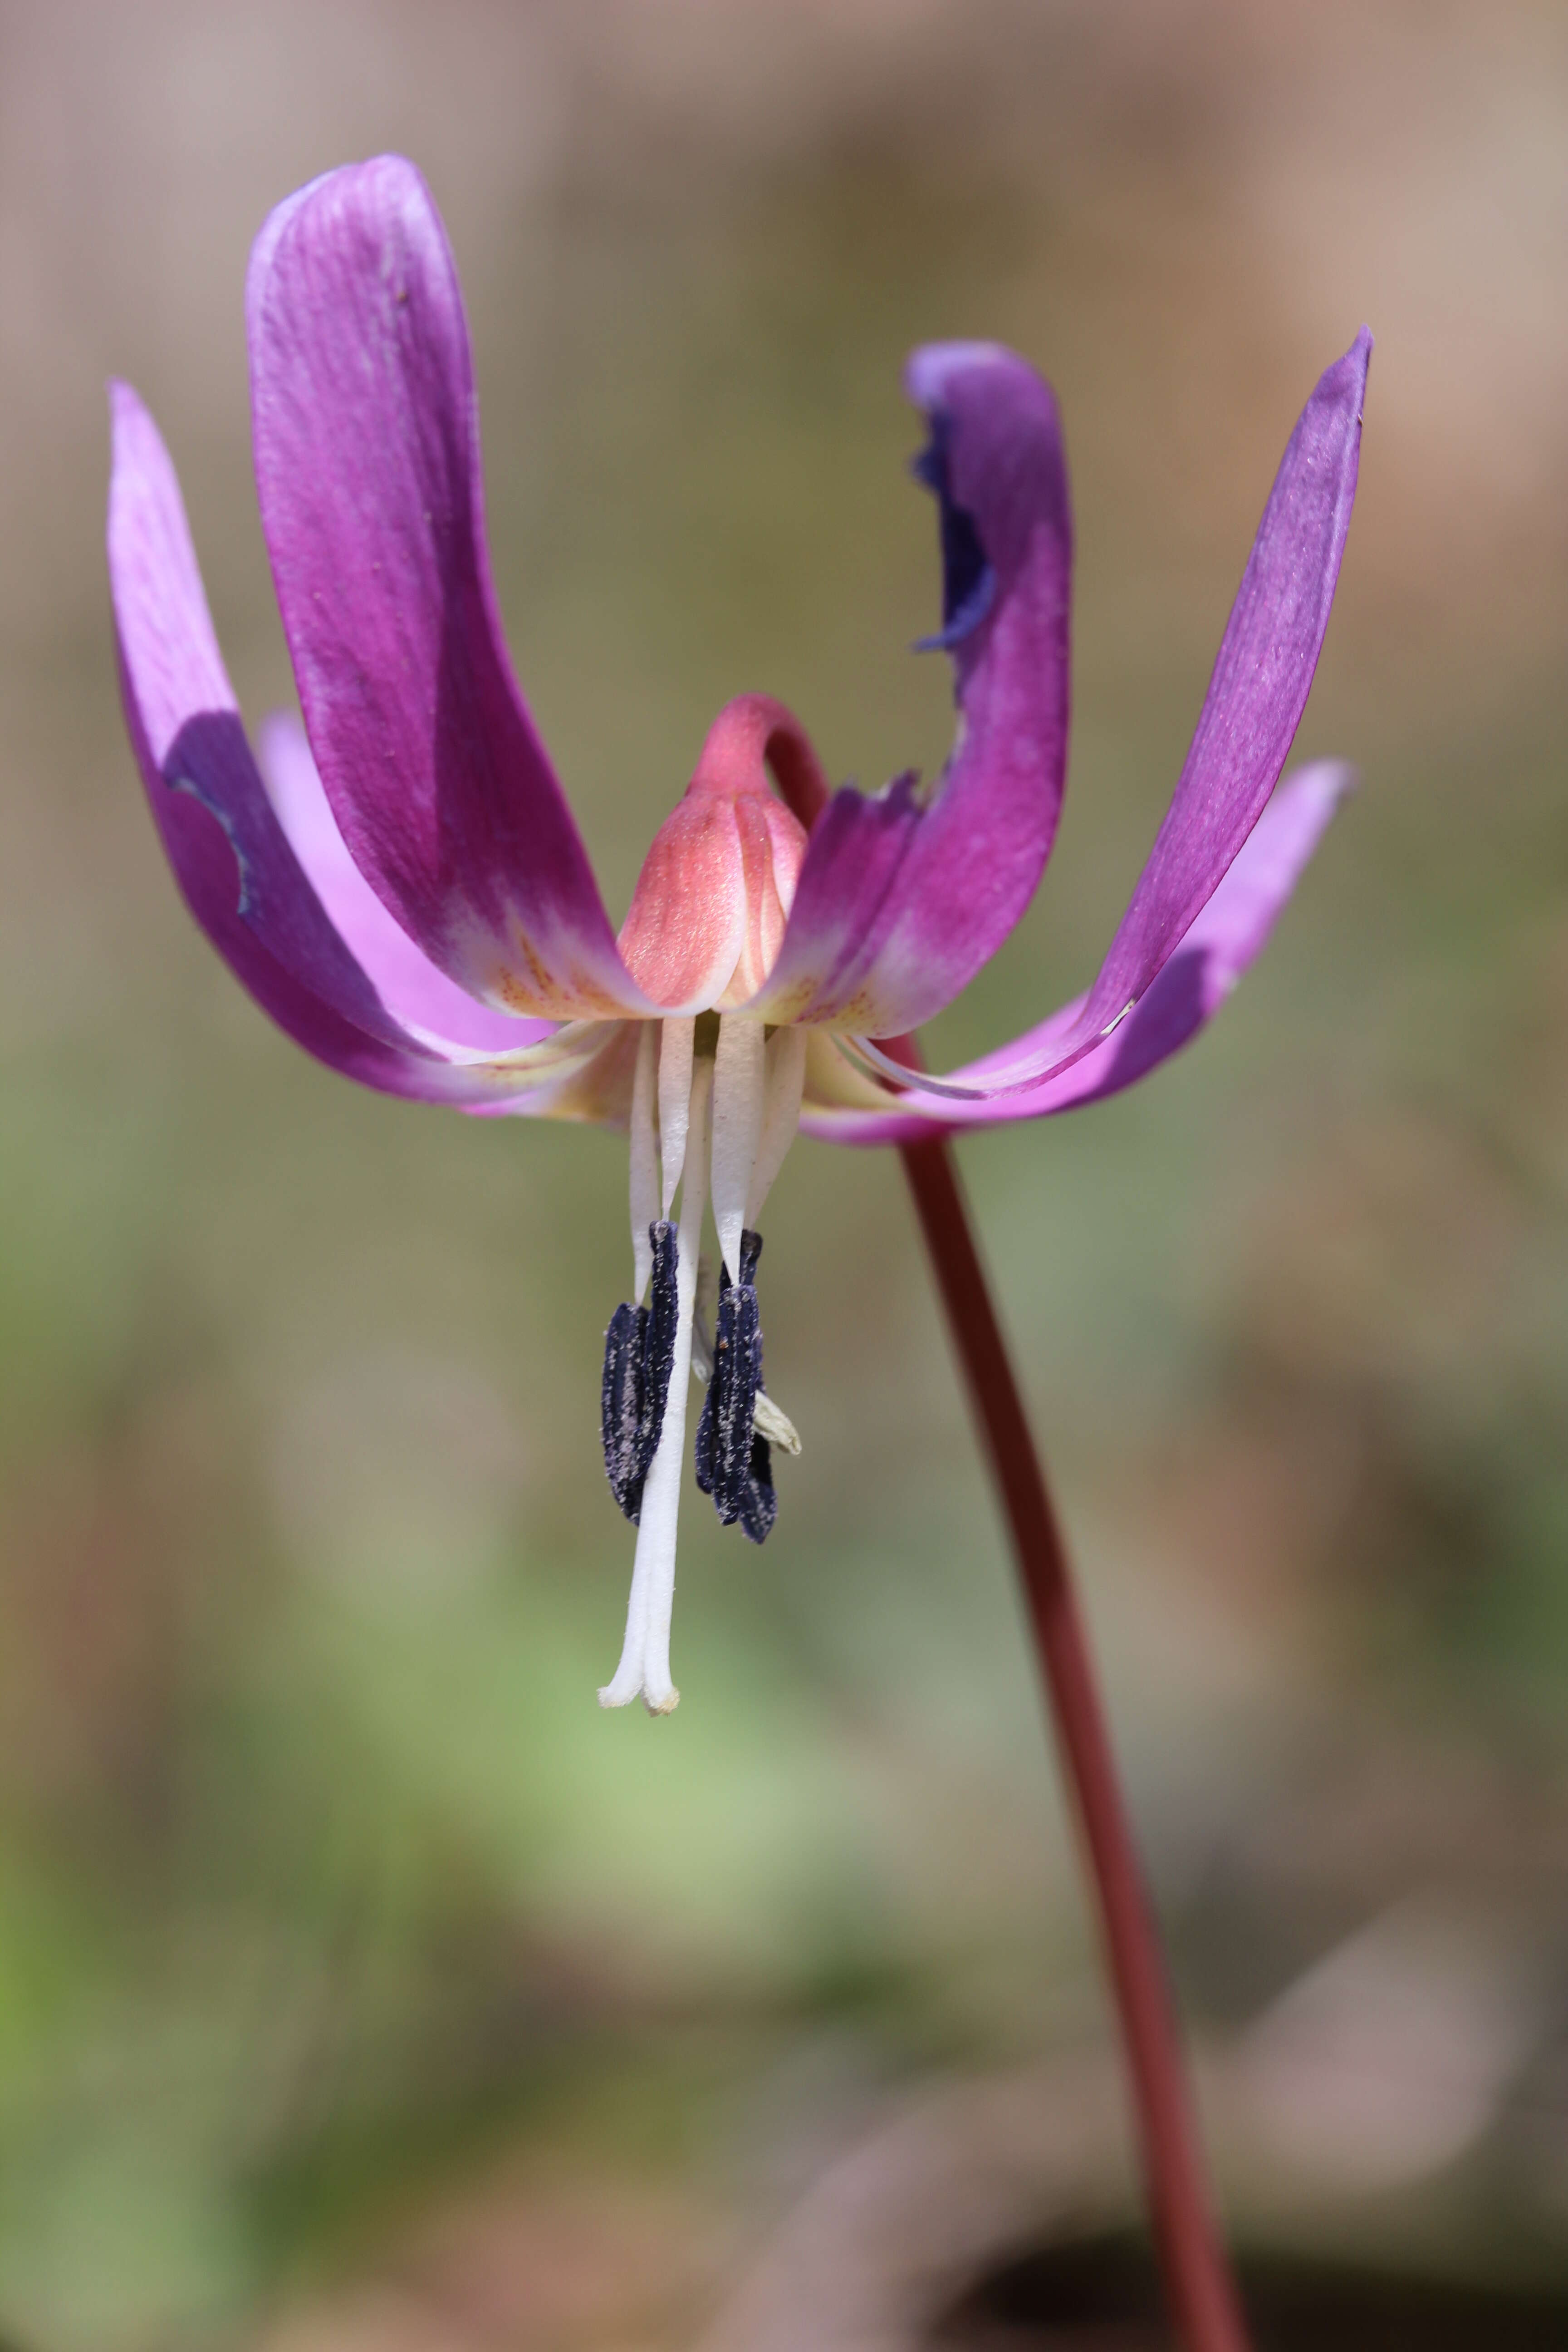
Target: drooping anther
(620, 1406)
(639, 1350)
(759, 1503)
(734, 1462)
(658, 1347)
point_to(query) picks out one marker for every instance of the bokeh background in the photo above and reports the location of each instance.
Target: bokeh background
(360, 1983)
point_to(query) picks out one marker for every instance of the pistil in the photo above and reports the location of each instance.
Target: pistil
(715, 1105)
(644, 1669)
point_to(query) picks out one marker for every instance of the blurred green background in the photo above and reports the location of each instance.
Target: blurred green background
(360, 1983)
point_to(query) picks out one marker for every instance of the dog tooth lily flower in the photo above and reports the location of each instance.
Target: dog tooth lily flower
(408, 896)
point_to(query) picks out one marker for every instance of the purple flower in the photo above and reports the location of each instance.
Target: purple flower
(409, 896)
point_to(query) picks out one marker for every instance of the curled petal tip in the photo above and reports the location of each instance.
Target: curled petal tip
(1351, 369)
(931, 366)
(133, 435)
(395, 181)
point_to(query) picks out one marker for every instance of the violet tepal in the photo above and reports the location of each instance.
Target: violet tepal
(402, 886)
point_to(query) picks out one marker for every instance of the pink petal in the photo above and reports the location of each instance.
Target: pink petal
(367, 462)
(904, 896)
(1226, 937)
(708, 912)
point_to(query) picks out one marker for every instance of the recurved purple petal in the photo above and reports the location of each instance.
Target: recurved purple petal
(1194, 981)
(367, 462)
(1249, 717)
(904, 896)
(232, 858)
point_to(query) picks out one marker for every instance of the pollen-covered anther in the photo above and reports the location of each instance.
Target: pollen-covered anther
(768, 1417)
(734, 1461)
(640, 1352)
(620, 1405)
(707, 917)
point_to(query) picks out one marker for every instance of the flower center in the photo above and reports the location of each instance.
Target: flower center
(715, 1104)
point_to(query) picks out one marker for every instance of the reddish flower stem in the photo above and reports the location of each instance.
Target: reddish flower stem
(1199, 2284)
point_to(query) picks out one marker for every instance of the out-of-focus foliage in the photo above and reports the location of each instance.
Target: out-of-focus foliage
(326, 1892)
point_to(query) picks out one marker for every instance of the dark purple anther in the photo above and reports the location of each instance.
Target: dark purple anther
(759, 1504)
(659, 1344)
(620, 1405)
(639, 1350)
(733, 1464)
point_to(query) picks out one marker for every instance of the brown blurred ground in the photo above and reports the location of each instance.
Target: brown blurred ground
(330, 1907)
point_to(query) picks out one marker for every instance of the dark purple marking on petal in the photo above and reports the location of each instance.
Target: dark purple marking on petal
(905, 895)
(1261, 679)
(367, 462)
(968, 577)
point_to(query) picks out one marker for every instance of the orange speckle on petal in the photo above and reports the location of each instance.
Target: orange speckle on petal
(529, 989)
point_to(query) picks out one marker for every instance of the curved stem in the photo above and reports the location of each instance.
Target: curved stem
(1198, 2282)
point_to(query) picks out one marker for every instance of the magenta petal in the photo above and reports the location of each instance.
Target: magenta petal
(1228, 933)
(240, 877)
(903, 898)
(367, 462)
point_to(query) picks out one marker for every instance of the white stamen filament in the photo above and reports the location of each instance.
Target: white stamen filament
(644, 1187)
(784, 1083)
(738, 1069)
(676, 1043)
(644, 1669)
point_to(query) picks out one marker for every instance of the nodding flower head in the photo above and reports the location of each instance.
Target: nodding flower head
(400, 884)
